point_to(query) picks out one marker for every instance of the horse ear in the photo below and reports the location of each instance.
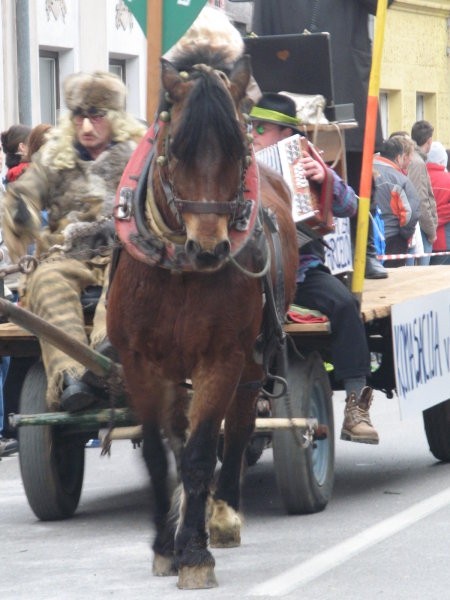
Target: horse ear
(240, 77)
(172, 82)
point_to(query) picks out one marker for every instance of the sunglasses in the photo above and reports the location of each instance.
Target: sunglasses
(94, 115)
(260, 128)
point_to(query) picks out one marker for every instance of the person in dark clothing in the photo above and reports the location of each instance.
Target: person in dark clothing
(273, 119)
(347, 23)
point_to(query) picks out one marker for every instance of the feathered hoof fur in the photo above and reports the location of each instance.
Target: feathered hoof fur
(224, 525)
(196, 578)
(163, 566)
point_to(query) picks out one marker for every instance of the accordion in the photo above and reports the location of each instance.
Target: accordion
(311, 202)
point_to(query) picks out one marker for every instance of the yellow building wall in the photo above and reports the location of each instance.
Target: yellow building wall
(415, 61)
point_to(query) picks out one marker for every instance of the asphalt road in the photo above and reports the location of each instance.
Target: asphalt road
(385, 533)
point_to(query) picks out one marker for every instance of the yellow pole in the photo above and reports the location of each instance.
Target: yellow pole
(368, 150)
(154, 50)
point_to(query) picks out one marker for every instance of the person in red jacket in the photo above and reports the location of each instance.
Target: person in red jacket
(14, 143)
(437, 159)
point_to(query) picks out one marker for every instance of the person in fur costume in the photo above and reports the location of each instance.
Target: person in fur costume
(73, 178)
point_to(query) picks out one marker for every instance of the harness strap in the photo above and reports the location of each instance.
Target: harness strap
(272, 336)
(210, 207)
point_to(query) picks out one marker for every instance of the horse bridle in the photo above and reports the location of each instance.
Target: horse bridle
(239, 208)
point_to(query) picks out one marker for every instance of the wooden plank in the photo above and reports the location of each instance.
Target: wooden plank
(261, 425)
(379, 295)
(307, 328)
(403, 283)
(11, 331)
(154, 46)
(16, 341)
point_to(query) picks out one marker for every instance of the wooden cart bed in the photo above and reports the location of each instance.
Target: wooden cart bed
(379, 295)
(404, 283)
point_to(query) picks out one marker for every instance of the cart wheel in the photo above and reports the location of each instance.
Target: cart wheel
(52, 465)
(305, 475)
(437, 428)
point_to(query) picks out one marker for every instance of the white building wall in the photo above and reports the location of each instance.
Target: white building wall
(8, 80)
(85, 34)
(127, 42)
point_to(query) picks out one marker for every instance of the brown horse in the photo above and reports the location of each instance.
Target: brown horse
(186, 299)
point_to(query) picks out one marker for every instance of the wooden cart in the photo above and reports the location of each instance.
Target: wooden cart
(52, 451)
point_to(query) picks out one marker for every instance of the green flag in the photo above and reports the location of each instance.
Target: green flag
(178, 16)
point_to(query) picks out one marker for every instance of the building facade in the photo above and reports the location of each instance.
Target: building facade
(415, 71)
(43, 41)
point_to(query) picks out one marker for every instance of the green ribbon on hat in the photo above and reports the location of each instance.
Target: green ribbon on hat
(264, 114)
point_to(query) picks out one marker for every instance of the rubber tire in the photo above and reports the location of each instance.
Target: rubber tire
(51, 465)
(436, 420)
(305, 476)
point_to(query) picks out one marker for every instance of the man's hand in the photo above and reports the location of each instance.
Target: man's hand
(313, 169)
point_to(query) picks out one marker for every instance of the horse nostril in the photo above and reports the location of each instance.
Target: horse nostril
(207, 259)
(192, 247)
(223, 249)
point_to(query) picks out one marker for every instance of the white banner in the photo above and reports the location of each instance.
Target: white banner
(338, 257)
(421, 340)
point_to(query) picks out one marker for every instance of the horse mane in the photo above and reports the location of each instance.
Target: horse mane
(209, 112)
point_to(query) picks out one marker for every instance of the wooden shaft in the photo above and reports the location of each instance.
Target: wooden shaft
(263, 424)
(92, 360)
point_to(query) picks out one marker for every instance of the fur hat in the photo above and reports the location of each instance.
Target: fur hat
(437, 154)
(212, 29)
(276, 108)
(100, 90)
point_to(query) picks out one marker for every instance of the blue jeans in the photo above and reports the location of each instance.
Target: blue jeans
(425, 260)
(4, 366)
(427, 247)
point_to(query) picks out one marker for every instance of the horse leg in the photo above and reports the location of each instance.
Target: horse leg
(157, 465)
(175, 422)
(152, 399)
(225, 522)
(213, 388)
(195, 563)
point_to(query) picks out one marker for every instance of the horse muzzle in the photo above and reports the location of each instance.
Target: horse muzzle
(207, 259)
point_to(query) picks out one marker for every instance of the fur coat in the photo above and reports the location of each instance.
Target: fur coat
(75, 196)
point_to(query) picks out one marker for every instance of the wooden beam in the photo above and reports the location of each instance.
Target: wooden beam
(154, 50)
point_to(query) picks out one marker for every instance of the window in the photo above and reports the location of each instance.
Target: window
(420, 107)
(118, 67)
(384, 113)
(49, 86)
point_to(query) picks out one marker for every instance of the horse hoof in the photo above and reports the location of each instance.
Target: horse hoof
(163, 566)
(196, 578)
(224, 526)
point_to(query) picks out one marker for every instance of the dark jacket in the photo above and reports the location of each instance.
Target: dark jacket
(396, 197)
(347, 23)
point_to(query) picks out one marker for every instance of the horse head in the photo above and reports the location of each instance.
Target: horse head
(203, 152)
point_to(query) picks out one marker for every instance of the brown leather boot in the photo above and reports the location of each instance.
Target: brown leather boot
(357, 426)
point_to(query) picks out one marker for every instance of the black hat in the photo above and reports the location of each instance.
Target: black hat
(276, 108)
